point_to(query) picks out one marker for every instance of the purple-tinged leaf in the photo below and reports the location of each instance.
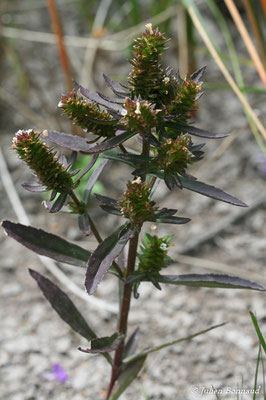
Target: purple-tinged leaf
(74, 172)
(34, 187)
(84, 224)
(105, 200)
(115, 87)
(198, 74)
(102, 121)
(104, 255)
(210, 191)
(89, 166)
(115, 100)
(98, 99)
(92, 180)
(196, 147)
(171, 181)
(52, 197)
(132, 343)
(110, 143)
(75, 143)
(111, 209)
(128, 375)
(47, 244)
(195, 131)
(62, 304)
(148, 351)
(62, 159)
(59, 203)
(104, 344)
(165, 212)
(210, 280)
(65, 308)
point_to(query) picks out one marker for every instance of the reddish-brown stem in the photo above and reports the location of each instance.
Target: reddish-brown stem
(60, 42)
(122, 326)
(123, 317)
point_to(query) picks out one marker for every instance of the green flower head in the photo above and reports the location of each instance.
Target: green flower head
(50, 172)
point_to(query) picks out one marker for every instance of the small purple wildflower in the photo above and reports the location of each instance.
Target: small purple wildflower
(59, 373)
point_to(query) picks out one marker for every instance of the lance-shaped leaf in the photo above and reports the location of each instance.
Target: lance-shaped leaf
(104, 255)
(106, 200)
(62, 304)
(84, 223)
(75, 143)
(116, 87)
(34, 187)
(148, 351)
(132, 343)
(171, 220)
(210, 191)
(109, 205)
(47, 244)
(81, 145)
(104, 344)
(65, 308)
(198, 74)
(195, 131)
(128, 375)
(92, 180)
(115, 100)
(58, 204)
(121, 137)
(210, 280)
(98, 98)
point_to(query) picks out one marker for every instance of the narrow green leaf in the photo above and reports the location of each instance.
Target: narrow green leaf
(104, 255)
(143, 353)
(210, 280)
(104, 344)
(47, 244)
(127, 377)
(257, 328)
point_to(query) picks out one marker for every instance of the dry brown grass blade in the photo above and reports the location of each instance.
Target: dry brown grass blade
(60, 43)
(246, 39)
(255, 28)
(225, 72)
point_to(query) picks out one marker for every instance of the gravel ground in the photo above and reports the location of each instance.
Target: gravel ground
(33, 338)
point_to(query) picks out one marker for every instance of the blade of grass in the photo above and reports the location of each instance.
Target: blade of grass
(256, 28)
(256, 373)
(257, 328)
(199, 26)
(246, 39)
(235, 63)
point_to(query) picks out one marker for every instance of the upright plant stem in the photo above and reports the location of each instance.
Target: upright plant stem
(125, 306)
(123, 318)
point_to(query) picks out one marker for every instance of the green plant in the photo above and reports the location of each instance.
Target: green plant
(155, 107)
